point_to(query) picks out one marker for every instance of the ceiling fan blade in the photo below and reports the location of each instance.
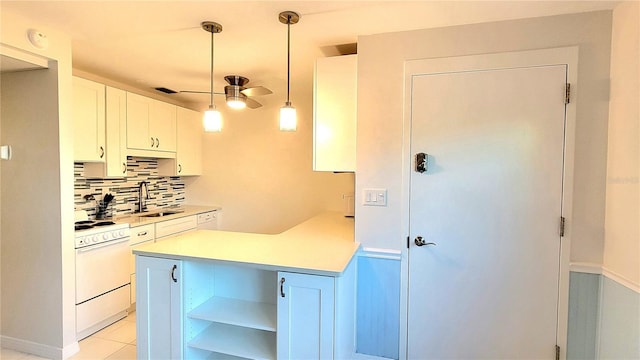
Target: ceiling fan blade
(256, 91)
(252, 104)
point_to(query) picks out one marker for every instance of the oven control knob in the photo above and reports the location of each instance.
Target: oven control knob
(121, 233)
(105, 236)
(94, 239)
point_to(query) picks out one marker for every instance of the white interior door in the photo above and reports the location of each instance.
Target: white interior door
(490, 200)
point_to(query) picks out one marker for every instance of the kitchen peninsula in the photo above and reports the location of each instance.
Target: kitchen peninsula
(213, 293)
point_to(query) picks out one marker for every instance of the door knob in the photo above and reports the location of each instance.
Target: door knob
(421, 242)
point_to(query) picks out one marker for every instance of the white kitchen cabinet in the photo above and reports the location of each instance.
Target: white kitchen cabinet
(151, 126)
(145, 234)
(159, 315)
(335, 113)
(188, 161)
(140, 235)
(115, 164)
(175, 226)
(233, 304)
(305, 316)
(88, 120)
(189, 143)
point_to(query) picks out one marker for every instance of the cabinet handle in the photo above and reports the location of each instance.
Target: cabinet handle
(124, 168)
(157, 142)
(153, 143)
(282, 287)
(173, 271)
(101, 152)
(142, 233)
(179, 168)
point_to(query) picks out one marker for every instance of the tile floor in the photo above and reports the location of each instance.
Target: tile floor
(115, 342)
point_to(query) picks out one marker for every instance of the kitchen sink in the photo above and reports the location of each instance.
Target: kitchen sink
(159, 214)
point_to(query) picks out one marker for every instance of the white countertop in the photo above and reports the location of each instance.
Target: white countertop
(322, 245)
(185, 210)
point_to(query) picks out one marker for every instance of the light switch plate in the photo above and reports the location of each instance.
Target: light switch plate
(374, 197)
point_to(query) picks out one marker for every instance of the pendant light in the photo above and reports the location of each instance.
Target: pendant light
(288, 112)
(212, 118)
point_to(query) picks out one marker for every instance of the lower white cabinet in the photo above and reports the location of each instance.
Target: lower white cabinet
(159, 314)
(305, 316)
(175, 226)
(239, 311)
(141, 235)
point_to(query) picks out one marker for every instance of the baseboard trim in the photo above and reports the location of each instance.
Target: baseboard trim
(46, 351)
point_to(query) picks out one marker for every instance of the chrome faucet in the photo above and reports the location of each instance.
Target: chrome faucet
(141, 205)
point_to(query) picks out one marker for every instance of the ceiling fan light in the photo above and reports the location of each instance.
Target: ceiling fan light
(235, 99)
(288, 118)
(236, 103)
(212, 120)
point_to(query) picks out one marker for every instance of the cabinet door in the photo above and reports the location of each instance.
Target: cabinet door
(162, 125)
(88, 120)
(305, 316)
(159, 308)
(334, 114)
(189, 142)
(138, 112)
(115, 164)
(116, 130)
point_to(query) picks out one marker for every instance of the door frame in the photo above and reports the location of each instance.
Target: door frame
(542, 57)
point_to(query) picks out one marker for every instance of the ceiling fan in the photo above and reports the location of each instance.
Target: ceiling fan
(237, 94)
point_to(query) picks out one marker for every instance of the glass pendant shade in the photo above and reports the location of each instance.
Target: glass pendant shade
(288, 121)
(212, 120)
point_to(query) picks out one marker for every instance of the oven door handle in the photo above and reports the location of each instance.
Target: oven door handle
(100, 246)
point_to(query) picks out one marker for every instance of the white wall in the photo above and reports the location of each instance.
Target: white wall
(380, 114)
(262, 177)
(38, 259)
(619, 313)
(622, 225)
(380, 153)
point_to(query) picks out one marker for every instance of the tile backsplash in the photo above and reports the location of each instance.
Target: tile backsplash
(163, 191)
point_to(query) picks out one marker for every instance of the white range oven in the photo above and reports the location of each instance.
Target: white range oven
(102, 275)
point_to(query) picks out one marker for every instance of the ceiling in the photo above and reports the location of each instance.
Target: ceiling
(147, 44)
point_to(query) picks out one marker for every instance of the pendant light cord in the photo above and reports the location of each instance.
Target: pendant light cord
(288, 56)
(211, 103)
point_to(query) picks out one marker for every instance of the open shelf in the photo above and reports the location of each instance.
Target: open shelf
(237, 341)
(249, 314)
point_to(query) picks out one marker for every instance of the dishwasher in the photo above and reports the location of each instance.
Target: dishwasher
(208, 220)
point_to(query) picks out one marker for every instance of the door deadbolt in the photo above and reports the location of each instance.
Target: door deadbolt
(421, 162)
(421, 242)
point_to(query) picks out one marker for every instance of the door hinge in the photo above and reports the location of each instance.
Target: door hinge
(562, 225)
(567, 93)
(557, 352)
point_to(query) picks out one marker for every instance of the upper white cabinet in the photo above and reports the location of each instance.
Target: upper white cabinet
(151, 126)
(115, 164)
(189, 143)
(88, 120)
(334, 113)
